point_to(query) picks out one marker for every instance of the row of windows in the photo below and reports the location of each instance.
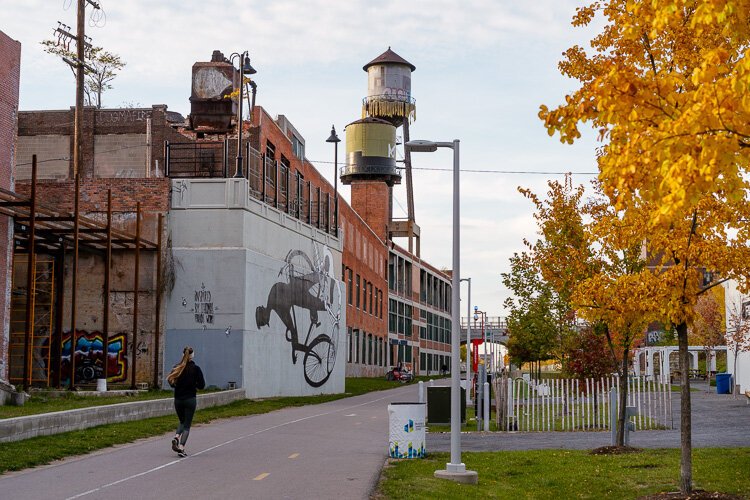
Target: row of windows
(438, 328)
(362, 293)
(399, 317)
(433, 290)
(365, 348)
(434, 362)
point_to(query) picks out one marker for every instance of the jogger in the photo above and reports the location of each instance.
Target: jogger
(186, 377)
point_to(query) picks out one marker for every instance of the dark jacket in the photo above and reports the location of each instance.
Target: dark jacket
(189, 381)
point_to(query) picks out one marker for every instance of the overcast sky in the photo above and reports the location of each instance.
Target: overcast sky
(483, 69)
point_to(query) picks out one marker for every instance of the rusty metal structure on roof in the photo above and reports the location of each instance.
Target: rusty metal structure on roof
(41, 229)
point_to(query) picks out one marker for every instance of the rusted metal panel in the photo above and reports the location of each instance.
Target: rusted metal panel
(210, 109)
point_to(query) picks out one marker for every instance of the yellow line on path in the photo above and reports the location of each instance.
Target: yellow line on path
(294, 455)
(261, 477)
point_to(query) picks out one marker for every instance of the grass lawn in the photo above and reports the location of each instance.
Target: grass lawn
(558, 474)
(46, 402)
(44, 449)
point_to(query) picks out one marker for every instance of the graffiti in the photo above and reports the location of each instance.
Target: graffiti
(204, 306)
(308, 285)
(124, 115)
(89, 357)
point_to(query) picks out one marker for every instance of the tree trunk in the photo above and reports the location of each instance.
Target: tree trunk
(623, 382)
(686, 443)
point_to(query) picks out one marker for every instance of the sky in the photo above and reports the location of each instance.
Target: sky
(483, 69)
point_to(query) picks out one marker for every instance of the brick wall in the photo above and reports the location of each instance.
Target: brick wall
(153, 194)
(364, 253)
(10, 65)
(52, 154)
(120, 155)
(115, 141)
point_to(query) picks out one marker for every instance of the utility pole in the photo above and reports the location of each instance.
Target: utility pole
(78, 125)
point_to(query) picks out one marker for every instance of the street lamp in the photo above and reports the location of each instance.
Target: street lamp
(468, 344)
(245, 69)
(335, 140)
(455, 469)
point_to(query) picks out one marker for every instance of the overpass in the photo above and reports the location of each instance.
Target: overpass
(495, 329)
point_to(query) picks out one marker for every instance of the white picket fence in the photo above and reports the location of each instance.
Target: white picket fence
(578, 405)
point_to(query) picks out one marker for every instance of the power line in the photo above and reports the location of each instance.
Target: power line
(478, 171)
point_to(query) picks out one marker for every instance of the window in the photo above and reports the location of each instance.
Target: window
(349, 341)
(364, 294)
(356, 346)
(350, 287)
(392, 315)
(369, 348)
(298, 147)
(357, 290)
(364, 349)
(369, 293)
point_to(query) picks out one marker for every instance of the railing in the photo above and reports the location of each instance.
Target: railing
(578, 405)
(269, 180)
(195, 159)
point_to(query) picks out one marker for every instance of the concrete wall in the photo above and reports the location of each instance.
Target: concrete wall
(734, 305)
(232, 255)
(19, 428)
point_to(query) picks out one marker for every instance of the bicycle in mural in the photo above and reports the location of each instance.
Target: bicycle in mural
(308, 285)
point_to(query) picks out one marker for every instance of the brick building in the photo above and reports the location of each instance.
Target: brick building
(10, 65)
(397, 307)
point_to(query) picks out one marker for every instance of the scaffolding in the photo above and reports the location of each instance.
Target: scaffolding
(35, 349)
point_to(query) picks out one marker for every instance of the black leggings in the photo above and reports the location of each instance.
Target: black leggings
(185, 409)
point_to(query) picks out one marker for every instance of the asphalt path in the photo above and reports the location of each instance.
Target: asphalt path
(335, 449)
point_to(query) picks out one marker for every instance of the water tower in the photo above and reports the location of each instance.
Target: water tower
(389, 100)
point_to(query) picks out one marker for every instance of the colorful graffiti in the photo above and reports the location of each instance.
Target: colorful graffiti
(89, 359)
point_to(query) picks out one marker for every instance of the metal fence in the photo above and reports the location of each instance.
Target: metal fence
(578, 405)
(195, 159)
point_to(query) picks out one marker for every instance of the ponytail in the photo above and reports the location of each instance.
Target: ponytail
(187, 354)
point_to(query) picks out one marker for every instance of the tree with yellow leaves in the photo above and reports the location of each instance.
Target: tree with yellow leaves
(666, 87)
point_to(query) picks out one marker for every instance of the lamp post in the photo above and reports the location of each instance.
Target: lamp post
(335, 140)
(245, 69)
(468, 344)
(455, 469)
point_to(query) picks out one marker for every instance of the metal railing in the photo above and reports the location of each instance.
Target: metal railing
(195, 159)
(270, 181)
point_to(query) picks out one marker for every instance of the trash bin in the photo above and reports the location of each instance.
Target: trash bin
(723, 383)
(407, 430)
(439, 405)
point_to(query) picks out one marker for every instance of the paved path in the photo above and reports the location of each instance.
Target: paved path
(324, 451)
(333, 450)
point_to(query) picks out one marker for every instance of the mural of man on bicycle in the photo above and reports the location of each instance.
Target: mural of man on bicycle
(308, 284)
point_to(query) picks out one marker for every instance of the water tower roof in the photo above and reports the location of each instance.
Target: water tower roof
(389, 57)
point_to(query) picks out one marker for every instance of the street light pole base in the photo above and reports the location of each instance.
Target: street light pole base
(458, 473)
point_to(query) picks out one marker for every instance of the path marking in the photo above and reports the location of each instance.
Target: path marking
(294, 455)
(261, 477)
(351, 415)
(273, 427)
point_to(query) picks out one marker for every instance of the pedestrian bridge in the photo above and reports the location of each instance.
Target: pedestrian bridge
(495, 330)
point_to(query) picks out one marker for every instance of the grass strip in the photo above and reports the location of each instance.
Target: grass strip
(559, 474)
(41, 450)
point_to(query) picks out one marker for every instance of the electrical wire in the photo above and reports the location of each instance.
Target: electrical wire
(478, 171)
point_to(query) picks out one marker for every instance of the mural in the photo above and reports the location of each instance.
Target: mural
(307, 285)
(89, 358)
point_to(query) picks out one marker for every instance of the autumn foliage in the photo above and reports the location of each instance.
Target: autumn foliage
(665, 84)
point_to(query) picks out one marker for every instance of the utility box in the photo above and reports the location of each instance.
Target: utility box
(439, 405)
